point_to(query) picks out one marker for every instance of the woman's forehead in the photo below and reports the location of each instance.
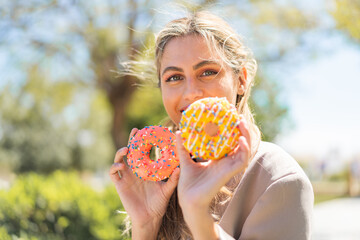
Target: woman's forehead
(189, 49)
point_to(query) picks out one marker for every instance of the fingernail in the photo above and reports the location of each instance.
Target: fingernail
(122, 149)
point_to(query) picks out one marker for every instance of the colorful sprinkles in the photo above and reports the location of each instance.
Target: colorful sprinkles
(139, 153)
(213, 110)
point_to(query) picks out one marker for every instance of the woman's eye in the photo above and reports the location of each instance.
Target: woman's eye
(174, 78)
(209, 73)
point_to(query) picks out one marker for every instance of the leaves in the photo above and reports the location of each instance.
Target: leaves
(145, 108)
(52, 95)
(68, 106)
(43, 128)
(346, 14)
(59, 206)
(282, 17)
(270, 114)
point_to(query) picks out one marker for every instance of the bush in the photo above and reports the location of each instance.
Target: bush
(59, 206)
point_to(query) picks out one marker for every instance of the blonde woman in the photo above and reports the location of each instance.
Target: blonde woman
(259, 192)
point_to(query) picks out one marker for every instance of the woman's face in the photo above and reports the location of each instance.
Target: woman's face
(189, 72)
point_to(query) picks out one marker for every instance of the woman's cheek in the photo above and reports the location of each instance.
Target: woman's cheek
(169, 104)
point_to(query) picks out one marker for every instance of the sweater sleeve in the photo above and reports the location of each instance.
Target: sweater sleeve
(222, 234)
(274, 200)
(283, 211)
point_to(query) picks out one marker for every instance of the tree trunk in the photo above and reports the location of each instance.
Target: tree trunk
(120, 95)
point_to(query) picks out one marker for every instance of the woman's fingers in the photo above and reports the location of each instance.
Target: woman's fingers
(181, 151)
(132, 133)
(174, 178)
(244, 128)
(171, 184)
(237, 161)
(114, 171)
(240, 159)
(119, 156)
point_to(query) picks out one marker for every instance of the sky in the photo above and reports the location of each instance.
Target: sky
(322, 95)
(321, 91)
(324, 106)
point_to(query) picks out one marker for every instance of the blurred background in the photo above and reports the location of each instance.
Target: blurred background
(65, 109)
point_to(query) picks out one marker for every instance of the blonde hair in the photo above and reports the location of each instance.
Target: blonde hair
(222, 39)
(224, 42)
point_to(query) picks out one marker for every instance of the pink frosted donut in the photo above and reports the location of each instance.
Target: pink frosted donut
(138, 157)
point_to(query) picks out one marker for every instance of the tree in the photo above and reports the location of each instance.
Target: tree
(84, 41)
(39, 131)
(346, 15)
(29, 138)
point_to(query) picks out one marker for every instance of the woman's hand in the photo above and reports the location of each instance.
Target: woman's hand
(144, 201)
(200, 181)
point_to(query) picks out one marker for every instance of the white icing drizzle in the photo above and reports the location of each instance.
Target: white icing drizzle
(202, 107)
(203, 125)
(225, 135)
(228, 135)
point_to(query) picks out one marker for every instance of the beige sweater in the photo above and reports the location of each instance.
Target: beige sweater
(274, 200)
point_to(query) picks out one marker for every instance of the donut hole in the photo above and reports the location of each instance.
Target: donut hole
(154, 153)
(211, 129)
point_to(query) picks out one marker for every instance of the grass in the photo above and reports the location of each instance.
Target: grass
(329, 190)
(319, 198)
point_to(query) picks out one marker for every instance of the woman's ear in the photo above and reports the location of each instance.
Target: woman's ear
(243, 84)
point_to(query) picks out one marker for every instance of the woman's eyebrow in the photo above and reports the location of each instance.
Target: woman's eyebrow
(197, 66)
(205, 62)
(172, 68)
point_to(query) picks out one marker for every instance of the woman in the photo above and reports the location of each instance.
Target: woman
(258, 192)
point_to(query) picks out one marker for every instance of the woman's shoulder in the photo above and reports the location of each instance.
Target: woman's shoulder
(273, 190)
(272, 163)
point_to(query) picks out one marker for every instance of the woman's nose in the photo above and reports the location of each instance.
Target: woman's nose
(192, 90)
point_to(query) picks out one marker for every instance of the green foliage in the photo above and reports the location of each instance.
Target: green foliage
(281, 16)
(89, 39)
(269, 113)
(52, 96)
(29, 140)
(3, 234)
(339, 176)
(319, 198)
(44, 128)
(346, 14)
(59, 206)
(96, 149)
(145, 108)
